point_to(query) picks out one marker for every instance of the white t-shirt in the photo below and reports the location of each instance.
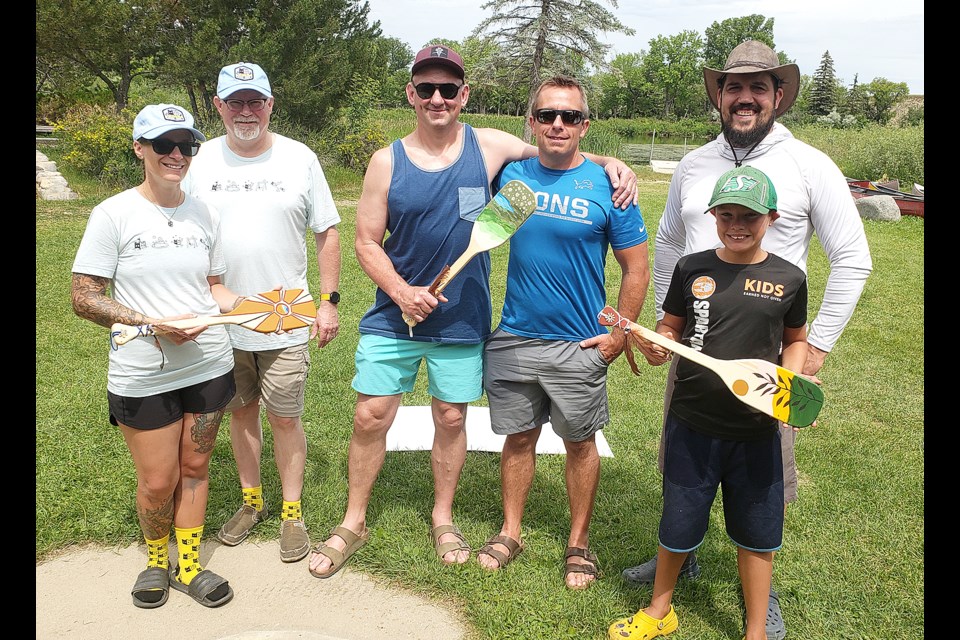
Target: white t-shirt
(812, 197)
(267, 204)
(161, 271)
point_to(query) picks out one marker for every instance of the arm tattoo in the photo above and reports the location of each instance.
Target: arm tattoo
(155, 523)
(204, 430)
(90, 301)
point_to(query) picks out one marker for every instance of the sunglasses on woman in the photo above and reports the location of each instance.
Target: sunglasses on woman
(549, 116)
(164, 146)
(448, 90)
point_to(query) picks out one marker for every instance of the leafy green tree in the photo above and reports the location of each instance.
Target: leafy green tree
(882, 96)
(623, 92)
(823, 98)
(673, 67)
(722, 37)
(113, 41)
(549, 36)
(312, 49)
(392, 68)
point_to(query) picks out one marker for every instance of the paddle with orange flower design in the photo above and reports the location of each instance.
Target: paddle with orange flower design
(268, 312)
(765, 386)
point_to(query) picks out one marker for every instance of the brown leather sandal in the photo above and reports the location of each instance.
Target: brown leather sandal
(514, 547)
(574, 567)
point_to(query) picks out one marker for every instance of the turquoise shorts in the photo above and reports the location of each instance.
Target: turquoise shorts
(388, 366)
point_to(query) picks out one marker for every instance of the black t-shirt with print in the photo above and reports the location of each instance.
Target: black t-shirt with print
(732, 311)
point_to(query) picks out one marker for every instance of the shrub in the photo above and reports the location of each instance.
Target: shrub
(875, 152)
(97, 143)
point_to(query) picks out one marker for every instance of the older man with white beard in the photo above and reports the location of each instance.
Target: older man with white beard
(270, 190)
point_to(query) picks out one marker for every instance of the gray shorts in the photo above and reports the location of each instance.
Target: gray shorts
(788, 439)
(277, 377)
(530, 381)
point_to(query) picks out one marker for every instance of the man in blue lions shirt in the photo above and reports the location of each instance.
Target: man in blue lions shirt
(548, 359)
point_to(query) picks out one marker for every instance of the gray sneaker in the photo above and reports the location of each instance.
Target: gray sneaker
(239, 526)
(294, 541)
(646, 572)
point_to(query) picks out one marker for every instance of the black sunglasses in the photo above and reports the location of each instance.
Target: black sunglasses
(448, 90)
(549, 116)
(163, 146)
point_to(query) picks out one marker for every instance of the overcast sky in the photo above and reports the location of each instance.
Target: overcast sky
(867, 38)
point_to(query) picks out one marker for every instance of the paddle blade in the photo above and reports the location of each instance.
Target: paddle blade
(509, 209)
(278, 310)
(795, 400)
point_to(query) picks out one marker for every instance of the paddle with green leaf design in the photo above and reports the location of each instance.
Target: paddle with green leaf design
(765, 386)
(499, 220)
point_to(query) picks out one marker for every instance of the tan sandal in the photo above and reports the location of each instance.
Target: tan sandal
(339, 558)
(443, 548)
(514, 547)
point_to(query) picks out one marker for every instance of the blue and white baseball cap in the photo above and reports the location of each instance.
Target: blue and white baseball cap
(242, 75)
(154, 120)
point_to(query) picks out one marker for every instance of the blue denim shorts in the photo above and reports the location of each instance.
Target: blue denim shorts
(389, 366)
(750, 474)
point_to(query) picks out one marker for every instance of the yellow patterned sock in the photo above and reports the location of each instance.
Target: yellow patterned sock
(188, 546)
(291, 511)
(254, 497)
(157, 552)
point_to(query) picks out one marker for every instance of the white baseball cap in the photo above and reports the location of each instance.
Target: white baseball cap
(154, 120)
(242, 75)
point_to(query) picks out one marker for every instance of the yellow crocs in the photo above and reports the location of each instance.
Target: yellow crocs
(640, 626)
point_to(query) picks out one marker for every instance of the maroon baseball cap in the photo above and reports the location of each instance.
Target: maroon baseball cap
(438, 54)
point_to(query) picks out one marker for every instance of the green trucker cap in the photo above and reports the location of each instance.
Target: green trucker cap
(745, 186)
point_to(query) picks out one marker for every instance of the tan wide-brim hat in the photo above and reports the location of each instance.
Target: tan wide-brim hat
(750, 57)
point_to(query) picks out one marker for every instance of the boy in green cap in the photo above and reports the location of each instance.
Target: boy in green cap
(737, 301)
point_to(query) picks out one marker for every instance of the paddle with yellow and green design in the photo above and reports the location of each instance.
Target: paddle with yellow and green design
(765, 386)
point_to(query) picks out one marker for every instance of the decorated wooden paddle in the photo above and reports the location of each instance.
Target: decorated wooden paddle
(765, 386)
(499, 220)
(268, 312)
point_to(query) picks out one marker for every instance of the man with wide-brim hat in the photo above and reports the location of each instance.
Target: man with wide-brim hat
(751, 91)
(753, 56)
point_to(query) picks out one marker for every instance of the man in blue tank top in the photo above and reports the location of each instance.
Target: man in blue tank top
(548, 359)
(420, 197)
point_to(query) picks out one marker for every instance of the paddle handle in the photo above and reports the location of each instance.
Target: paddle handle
(443, 279)
(121, 333)
(674, 346)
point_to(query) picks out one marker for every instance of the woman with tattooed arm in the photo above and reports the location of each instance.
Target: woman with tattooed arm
(158, 251)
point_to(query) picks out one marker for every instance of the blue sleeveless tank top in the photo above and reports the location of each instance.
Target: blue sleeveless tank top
(430, 218)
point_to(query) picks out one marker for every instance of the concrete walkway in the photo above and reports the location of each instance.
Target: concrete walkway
(84, 594)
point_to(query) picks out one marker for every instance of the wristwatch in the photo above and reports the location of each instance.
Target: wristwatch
(332, 297)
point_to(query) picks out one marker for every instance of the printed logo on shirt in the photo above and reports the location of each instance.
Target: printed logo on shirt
(703, 287)
(761, 289)
(563, 207)
(583, 184)
(701, 314)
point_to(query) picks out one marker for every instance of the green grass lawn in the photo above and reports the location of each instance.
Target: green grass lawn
(852, 559)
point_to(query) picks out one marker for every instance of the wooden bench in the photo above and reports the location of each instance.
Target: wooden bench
(43, 134)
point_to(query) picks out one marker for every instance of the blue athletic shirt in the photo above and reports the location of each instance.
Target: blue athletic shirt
(555, 276)
(430, 218)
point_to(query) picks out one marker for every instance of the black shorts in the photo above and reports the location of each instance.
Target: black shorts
(153, 412)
